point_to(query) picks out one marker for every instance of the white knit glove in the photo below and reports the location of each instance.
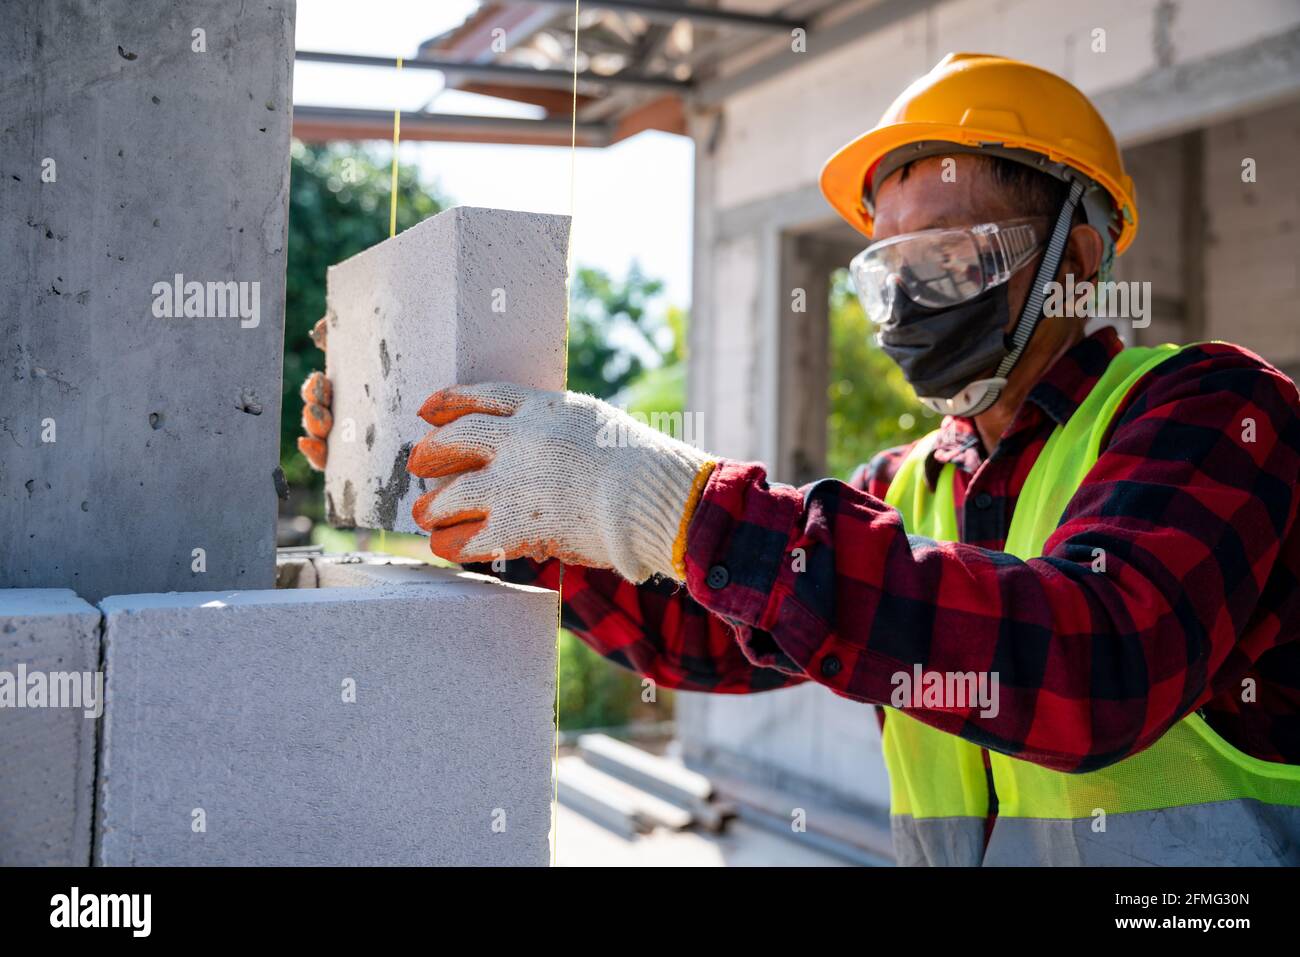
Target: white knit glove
(521, 472)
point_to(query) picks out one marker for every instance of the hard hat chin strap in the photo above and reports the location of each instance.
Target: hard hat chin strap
(982, 393)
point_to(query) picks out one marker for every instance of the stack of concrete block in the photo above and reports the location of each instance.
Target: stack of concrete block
(351, 725)
(468, 296)
(402, 717)
(48, 637)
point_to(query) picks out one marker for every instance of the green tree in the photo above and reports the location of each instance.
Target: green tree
(611, 330)
(339, 200)
(872, 407)
(662, 388)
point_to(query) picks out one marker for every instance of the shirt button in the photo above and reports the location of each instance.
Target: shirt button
(983, 500)
(718, 577)
(831, 666)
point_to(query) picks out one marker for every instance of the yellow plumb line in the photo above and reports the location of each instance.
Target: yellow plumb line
(392, 224)
(573, 174)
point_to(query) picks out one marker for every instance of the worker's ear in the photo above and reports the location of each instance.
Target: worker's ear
(1082, 256)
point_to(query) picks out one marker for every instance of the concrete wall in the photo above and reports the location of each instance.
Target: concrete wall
(1191, 88)
(128, 158)
(402, 717)
(1222, 254)
(1251, 259)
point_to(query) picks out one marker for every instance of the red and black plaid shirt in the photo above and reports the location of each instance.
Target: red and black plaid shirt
(1193, 501)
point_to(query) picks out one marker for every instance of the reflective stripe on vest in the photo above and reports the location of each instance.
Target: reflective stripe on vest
(1190, 798)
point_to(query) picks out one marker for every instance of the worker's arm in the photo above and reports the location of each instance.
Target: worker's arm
(1189, 502)
(656, 628)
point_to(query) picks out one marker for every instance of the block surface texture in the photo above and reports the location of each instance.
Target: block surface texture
(127, 159)
(231, 706)
(470, 295)
(47, 755)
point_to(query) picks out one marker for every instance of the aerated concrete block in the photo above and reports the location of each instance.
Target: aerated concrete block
(230, 739)
(470, 295)
(49, 640)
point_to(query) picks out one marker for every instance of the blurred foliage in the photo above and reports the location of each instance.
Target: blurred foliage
(872, 408)
(339, 199)
(612, 333)
(662, 388)
(595, 693)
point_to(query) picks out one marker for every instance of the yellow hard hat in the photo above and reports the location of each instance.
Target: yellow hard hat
(987, 103)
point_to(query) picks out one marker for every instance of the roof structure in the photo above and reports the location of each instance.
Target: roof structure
(638, 64)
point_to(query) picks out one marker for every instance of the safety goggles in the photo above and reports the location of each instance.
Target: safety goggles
(940, 268)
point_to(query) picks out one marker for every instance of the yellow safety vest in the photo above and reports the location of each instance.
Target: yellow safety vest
(1191, 798)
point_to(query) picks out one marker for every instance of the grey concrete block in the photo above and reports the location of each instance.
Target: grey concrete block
(469, 295)
(47, 754)
(231, 705)
(128, 159)
(334, 571)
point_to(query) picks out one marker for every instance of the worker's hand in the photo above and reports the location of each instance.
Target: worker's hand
(316, 418)
(518, 472)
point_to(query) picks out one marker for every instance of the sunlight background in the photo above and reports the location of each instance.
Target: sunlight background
(633, 199)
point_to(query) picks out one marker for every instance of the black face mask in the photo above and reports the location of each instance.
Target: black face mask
(941, 351)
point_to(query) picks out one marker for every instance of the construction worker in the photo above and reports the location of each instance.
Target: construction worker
(1105, 536)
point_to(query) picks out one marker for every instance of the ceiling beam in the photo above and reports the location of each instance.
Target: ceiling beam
(522, 75)
(680, 11)
(827, 33)
(322, 123)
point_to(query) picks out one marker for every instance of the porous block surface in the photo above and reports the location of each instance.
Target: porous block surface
(470, 295)
(47, 754)
(229, 737)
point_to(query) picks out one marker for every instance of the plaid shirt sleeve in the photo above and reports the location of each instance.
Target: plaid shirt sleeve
(823, 583)
(656, 629)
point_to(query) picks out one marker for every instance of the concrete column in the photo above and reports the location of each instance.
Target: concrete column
(49, 702)
(144, 179)
(470, 295)
(804, 330)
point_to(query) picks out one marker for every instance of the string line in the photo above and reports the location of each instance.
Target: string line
(573, 175)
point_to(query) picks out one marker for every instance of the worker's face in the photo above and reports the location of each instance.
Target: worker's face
(968, 195)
